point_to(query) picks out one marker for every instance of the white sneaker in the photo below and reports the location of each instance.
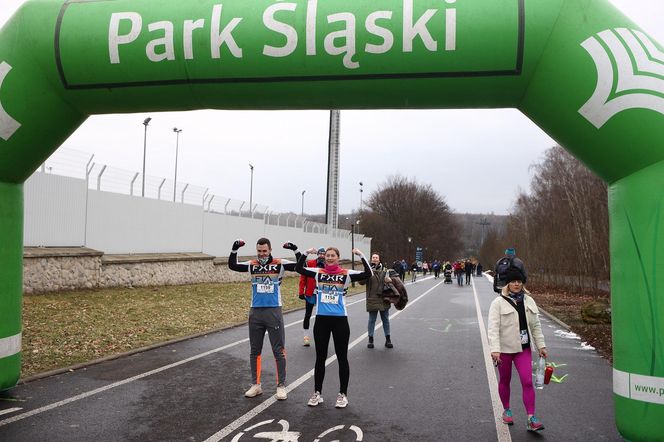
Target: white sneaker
(342, 401)
(254, 391)
(307, 341)
(315, 399)
(282, 395)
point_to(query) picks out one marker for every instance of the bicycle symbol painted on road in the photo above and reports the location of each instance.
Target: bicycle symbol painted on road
(285, 435)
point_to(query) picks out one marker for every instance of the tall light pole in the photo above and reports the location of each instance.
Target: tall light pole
(251, 191)
(361, 195)
(145, 139)
(177, 142)
(303, 202)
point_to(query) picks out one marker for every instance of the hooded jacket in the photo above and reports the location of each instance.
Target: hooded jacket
(503, 324)
(374, 290)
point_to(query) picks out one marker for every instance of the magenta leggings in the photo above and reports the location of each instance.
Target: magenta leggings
(524, 366)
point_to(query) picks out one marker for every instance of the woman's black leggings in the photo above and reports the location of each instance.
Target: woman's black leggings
(338, 327)
(308, 309)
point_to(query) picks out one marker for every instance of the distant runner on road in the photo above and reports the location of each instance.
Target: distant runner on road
(265, 313)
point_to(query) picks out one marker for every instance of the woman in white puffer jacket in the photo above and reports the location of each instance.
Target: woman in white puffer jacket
(514, 327)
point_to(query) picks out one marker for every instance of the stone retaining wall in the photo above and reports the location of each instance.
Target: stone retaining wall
(58, 269)
(50, 270)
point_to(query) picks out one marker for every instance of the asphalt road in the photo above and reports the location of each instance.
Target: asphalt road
(434, 385)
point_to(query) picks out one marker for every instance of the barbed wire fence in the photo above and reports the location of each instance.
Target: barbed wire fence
(78, 164)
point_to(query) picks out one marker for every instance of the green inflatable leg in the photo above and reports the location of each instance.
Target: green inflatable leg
(637, 287)
(11, 282)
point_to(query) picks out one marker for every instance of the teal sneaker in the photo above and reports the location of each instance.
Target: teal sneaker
(507, 417)
(534, 424)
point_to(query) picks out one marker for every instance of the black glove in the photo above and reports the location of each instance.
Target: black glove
(290, 246)
(301, 296)
(237, 244)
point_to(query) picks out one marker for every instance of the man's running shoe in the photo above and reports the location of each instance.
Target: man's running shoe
(306, 342)
(282, 395)
(254, 391)
(507, 417)
(342, 401)
(534, 424)
(315, 399)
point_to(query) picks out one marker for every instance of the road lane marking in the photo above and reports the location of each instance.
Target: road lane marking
(99, 390)
(124, 381)
(10, 410)
(502, 430)
(272, 399)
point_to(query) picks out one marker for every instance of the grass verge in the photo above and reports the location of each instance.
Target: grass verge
(67, 328)
(566, 306)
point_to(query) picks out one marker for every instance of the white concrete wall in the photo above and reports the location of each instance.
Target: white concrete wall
(55, 216)
(54, 211)
(128, 224)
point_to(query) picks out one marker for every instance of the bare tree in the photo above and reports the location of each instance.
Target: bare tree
(561, 228)
(402, 209)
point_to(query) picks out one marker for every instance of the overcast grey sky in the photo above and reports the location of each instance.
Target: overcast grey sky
(476, 159)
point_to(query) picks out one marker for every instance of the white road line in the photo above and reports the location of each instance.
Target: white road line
(272, 399)
(502, 430)
(123, 382)
(87, 394)
(10, 410)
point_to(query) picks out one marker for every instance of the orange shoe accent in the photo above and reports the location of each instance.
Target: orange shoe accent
(258, 369)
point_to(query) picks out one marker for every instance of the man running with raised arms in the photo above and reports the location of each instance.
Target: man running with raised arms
(265, 313)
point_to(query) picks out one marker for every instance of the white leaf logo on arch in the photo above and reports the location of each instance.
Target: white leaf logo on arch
(7, 124)
(638, 67)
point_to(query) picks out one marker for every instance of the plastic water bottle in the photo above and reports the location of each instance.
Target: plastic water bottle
(539, 373)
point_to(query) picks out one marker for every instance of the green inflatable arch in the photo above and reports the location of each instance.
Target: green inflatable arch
(578, 68)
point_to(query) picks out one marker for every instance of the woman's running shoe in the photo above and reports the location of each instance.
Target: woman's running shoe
(315, 399)
(342, 401)
(507, 417)
(534, 424)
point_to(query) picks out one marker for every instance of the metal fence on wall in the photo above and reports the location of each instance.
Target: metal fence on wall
(76, 211)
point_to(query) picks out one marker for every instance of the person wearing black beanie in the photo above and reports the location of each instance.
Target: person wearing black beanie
(513, 329)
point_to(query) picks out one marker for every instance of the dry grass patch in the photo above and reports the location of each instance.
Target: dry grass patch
(67, 328)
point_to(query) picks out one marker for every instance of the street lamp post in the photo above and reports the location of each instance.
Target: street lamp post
(251, 191)
(361, 195)
(302, 214)
(177, 143)
(145, 139)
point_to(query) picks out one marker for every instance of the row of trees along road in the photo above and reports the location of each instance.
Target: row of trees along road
(400, 209)
(561, 229)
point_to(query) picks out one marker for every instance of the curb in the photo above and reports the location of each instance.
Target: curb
(555, 319)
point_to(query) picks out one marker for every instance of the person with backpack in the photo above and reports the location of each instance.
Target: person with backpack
(503, 265)
(375, 302)
(513, 329)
